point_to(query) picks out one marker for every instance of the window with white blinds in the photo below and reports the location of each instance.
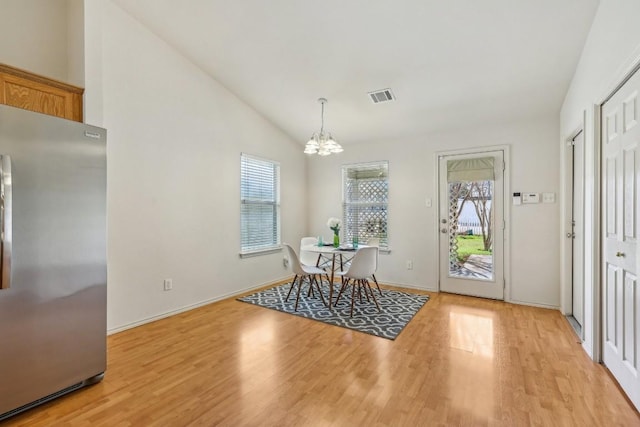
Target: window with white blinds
(259, 204)
(365, 202)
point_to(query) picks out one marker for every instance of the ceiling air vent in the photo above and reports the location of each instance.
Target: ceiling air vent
(383, 95)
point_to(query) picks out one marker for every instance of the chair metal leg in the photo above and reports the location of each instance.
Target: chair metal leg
(310, 293)
(342, 288)
(373, 276)
(319, 289)
(353, 297)
(368, 291)
(329, 283)
(291, 288)
(300, 281)
(364, 288)
(368, 285)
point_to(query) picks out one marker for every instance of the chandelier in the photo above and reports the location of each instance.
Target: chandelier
(322, 142)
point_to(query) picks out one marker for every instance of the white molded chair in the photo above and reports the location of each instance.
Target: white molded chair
(306, 257)
(375, 241)
(303, 272)
(363, 265)
(313, 258)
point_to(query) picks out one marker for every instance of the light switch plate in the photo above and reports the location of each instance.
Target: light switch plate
(530, 198)
(548, 197)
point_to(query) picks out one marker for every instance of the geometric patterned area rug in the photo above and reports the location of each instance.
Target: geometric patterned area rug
(396, 308)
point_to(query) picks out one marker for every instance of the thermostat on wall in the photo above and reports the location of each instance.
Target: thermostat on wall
(517, 198)
(530, 197)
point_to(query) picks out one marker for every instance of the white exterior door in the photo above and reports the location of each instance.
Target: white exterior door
(471, 224)
(621, 296)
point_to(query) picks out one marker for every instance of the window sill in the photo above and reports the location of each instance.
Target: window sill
(259, 252)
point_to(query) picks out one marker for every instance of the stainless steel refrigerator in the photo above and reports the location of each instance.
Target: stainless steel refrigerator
(53, 257)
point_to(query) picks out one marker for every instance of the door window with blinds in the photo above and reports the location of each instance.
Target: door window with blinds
(365, 202)
(259, 205)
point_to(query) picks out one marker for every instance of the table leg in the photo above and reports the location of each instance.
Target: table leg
(333, 264)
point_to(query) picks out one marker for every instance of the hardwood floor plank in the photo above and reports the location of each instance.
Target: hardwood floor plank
(460, 361)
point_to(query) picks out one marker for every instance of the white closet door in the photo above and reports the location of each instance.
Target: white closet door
(621, 296)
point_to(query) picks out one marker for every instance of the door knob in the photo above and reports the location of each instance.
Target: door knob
(444, 221)
(571, 235)
(443, 230)
(620, 254)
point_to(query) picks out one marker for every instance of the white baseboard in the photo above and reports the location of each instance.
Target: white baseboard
(190, 307)
(533, 304)
(407, 285)
(428, 289)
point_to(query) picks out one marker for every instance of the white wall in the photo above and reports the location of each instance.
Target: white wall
(33, 36)
(75, 42)
(174, 141)
(533, 229)
(612, 46)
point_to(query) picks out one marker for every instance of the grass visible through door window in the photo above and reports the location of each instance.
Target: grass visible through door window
(470, 245)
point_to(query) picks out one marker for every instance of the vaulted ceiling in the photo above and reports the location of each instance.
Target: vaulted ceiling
(450, 64)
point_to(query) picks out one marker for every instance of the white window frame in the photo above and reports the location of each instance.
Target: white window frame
(363, 236)
(264, 245)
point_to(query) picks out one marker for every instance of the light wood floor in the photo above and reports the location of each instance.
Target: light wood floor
(460, 361)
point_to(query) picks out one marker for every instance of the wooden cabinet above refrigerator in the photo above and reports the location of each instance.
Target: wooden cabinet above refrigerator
(29, 91)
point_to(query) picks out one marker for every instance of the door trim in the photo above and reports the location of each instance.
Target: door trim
(566, 265)
(565, 281)
(596, 306)
(507, 208)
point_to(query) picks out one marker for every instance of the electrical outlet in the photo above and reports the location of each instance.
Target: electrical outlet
(285, 262)
(410, 264)
(168, 284)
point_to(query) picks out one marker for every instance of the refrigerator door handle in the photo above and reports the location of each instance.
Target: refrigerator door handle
(6, 209)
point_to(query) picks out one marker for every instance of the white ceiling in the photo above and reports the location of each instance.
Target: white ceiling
(450, 63)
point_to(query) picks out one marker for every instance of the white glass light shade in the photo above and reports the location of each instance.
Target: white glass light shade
(337, 149)
(323, 152)
(312, 146)
(322, 142)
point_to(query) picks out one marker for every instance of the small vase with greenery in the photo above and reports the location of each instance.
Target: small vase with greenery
(334, 224)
